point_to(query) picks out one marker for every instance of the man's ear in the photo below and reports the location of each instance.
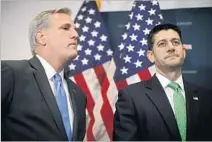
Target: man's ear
(40, 37)
(184, 50)
(150, 56)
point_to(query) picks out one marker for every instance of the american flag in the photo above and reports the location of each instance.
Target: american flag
(130, 58)
(99, 72)
(89, 70)
(129, 63)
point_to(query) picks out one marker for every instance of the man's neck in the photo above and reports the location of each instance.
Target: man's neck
(171, 74)
(56, 64)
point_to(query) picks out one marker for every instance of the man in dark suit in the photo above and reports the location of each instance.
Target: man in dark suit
(38, 101)
(166, 107)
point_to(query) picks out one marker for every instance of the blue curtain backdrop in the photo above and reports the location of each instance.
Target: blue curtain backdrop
(196, 26)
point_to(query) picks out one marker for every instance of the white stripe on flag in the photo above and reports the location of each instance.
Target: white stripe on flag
(112, 92)
(133, 79)
(93, 83)
(152, 70)
(95, 89)
(72, 78)
(87, 122)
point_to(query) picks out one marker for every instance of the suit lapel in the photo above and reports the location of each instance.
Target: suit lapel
(47, 93)
(72, 93)
(192, 107)
(160, 100)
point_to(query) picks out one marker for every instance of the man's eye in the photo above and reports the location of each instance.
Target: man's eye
(176, 43)
(162, 44)
(65, 28)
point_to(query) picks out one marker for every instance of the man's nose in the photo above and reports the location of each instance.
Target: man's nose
(74, 33)
(171, 46)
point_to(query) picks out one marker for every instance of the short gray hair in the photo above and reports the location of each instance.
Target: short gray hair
(42, 21)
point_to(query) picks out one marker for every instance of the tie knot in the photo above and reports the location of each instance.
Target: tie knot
(57, 78)
(174, 85)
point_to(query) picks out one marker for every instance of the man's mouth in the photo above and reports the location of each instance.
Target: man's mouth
(175, 55)
(73, 45)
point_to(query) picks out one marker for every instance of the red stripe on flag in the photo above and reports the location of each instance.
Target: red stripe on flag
(100, 73)
(80, 81)
(144, 74)
(121, 84)
(106, 110)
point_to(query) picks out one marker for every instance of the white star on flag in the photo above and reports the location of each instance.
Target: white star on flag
(85, 29)
(88, 20)
(133, 37)
(143, 41)
(141, 52)
(103, 38)
(97, 24)
(72, 66)
(149, 21)
(94, 33)
(88, 51)
(84, 61)
(151, 12)
(127, 59)
(97, 57)
(91, 11)
(80, 17)
(142, 7)
(82, 38)
(138, 63)
(139, 17)
(136, 27)
(146, 31)
(124, 70)
(91, 42)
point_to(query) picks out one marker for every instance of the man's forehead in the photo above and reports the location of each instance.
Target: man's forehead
(166, 34)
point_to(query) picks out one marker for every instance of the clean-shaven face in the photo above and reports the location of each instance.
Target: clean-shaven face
(61, 36)
(167, 51)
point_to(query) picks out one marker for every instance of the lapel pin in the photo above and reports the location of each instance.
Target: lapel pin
(195, 98)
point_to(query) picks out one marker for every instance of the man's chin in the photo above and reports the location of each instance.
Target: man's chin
(73, 56)
(175, 65)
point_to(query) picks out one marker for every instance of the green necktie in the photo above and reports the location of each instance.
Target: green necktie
(180, 109)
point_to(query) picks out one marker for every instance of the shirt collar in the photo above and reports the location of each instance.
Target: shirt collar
(50, 71)
(165, 81)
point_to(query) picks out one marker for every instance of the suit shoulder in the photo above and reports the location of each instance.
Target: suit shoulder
(134, 89)
(134, 86)
(15, 64)
(204, 93)
(199, 88)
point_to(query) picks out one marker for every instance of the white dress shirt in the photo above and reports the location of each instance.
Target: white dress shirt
(50, 72)
(170, 92)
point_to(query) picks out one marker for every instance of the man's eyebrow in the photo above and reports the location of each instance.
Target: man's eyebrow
(166, 39)
(175, 39)
(66, 24)
(161, 40)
